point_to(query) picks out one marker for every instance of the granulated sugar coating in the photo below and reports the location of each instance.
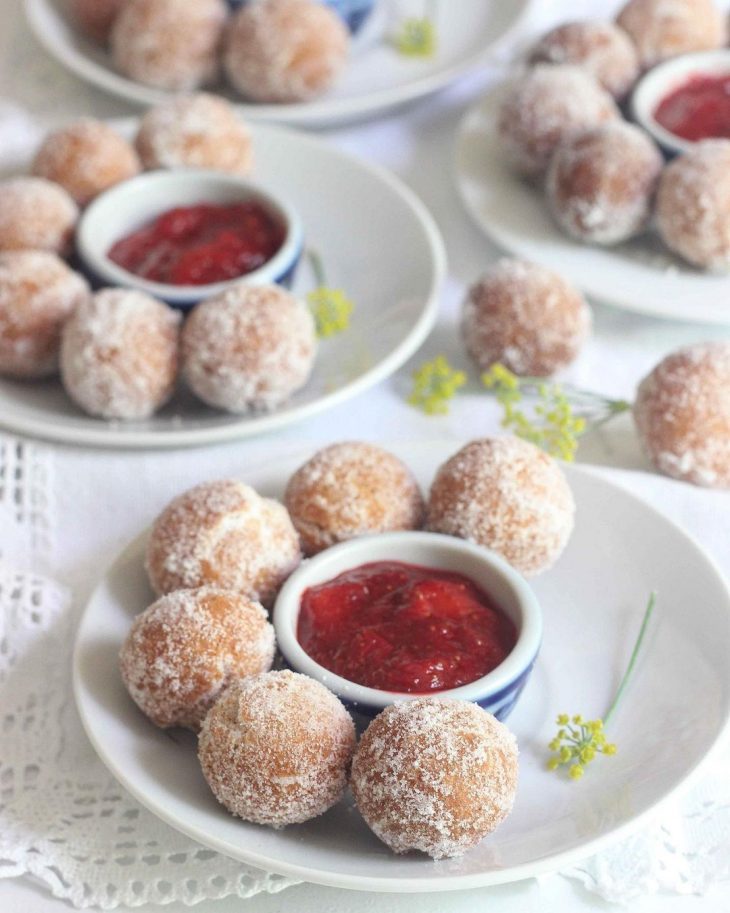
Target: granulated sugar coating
(276, 749)
(223, 534)
(87, 158)
(351, 489)
(601, 48)
(38, 293)
(544, 106)
(693, 205)
(169, 44)
(435, 775)
(96, 17)
(195, 131)
(285, 50)
(249, 348)
(36, 214)
(507, 495)
(666, 28)
(185, 648)
(526, 317)
(682, 414)
(601, 184)
(119, 354)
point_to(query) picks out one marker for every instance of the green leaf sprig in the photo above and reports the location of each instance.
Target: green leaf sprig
(579, 741)
(417, 36)
(559, 414)
(434, 384)
(330, 307)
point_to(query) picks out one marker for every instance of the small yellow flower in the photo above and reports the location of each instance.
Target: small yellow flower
(331, 310)
(434, 384)
(416, 37)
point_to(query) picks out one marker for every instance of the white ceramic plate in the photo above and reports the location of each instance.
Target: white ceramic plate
(378, 242)
(640, 275)
(674, 710)
(376, 79)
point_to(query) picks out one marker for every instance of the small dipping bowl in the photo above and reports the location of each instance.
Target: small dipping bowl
(128, 206)
(496, 692)
(662, 81)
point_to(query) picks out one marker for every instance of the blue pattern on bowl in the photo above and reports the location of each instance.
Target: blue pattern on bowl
(353, 12)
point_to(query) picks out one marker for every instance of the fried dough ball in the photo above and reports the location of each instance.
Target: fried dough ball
(526, 317)
(285, 50)
(119, 354)
(351, 489)
(601, 184)
(682, 414)
(665, 28)
(86, 158)
(435, 775)
(693, 205)
(249, 348)
(36, 214)
(38, 293)
(185, 649)
(543, 107)
(602, 48)
(223, 534)
(507, 495)
(96, 17)
(276, 749)
(195, 131)
(169, 44)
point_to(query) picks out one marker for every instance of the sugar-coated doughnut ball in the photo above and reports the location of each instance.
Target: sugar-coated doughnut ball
(602, 48)
(96, 17)
(36, 214)
(223, 534)
(119, 354)
(195, 131)
(87, 158)
(693, 205)
(666, 28)
(525, 316)
(249, 348)
(682, 414)
(285, 50)
(507, 495)
(351, 489)
(38, 293)
(185, 648)
(546, 105)
(169, 44)
(276, 748)
(601, 184)
(435, 775)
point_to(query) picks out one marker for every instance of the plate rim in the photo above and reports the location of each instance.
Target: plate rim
(435, 883)
(318, 113)
(107, 436)
(602, 293)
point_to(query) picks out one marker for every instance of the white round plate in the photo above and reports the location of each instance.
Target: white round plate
(377, 241)
(640, 275)
(376, 79)
(673, 713)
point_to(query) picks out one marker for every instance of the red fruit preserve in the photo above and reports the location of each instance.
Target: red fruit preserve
(198, 245)
(698, 109)
(400, 627)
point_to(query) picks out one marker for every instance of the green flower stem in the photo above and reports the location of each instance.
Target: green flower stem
(632, 662)
(315, 261)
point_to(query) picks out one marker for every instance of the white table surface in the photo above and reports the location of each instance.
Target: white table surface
(417, 144)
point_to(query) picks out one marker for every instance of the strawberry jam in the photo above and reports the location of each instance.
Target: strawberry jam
(400, 627)
(198, 245)
(698, 109)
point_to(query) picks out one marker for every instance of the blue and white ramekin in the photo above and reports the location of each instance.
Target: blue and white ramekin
(353, 12)
(496, 692)
(134, 203)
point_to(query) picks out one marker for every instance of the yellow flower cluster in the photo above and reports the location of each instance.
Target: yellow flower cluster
(577, 743)
(416, 38)
(434, 384)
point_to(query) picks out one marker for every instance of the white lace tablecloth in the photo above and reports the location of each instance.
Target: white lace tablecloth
(64, 513)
